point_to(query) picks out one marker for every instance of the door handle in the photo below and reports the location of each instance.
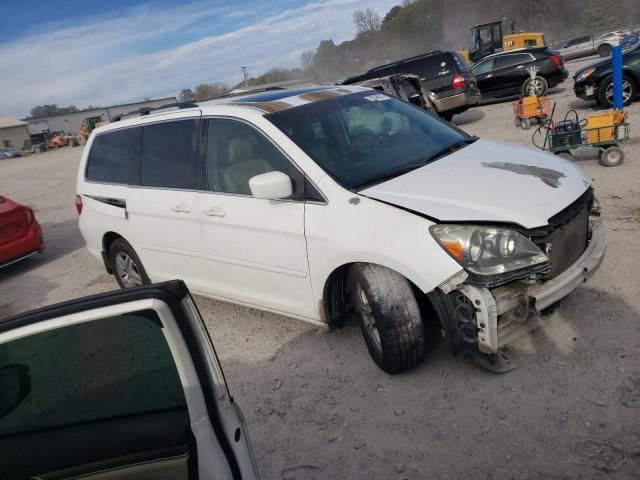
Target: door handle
(520, 66)
(181, 208)
(489, 76)
(215, 212)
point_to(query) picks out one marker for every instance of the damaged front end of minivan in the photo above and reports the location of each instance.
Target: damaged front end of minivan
(512, 276)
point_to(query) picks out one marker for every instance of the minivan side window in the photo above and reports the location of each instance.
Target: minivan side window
(236, 152)
(483, 67)
(169, 157)
(512, 60)
(115, 157)
(115, 367)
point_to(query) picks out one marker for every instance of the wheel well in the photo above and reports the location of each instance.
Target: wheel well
(337, 304)
(107, 240)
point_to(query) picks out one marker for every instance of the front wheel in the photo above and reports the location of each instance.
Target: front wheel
(389, 317)
(605, 91)
(126, 265)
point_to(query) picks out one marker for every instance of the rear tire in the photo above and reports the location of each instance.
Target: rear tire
(525, 124)
(612, 157)
(604, 50)
(447, 116)
(126, 265)
(535, 87)
(389, 317)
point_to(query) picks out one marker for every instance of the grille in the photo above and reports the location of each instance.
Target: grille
(566, 243)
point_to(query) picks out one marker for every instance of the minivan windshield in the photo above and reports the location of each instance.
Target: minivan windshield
(368, 137)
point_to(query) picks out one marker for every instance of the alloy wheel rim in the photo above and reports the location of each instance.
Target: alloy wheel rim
(535, 87)
(367, 317)
(127, 270)
(626, 91)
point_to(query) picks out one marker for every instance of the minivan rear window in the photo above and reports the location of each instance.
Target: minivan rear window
(434, 66)
(169, 155)
(115, 157)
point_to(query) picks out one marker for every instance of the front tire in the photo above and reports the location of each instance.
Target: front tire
(126, 265)
(605, 91)
(389, 317)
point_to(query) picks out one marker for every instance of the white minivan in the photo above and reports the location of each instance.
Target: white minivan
(324, 202)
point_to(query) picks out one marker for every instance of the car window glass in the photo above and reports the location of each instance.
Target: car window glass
(483, 67)
(168, 155)
(366, 135)
(236, 151)
(115, 157)
(434, 66)
(113, 367)
(462, 63)
(510, 60)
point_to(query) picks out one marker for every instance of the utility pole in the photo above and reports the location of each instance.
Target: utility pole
(244, 74)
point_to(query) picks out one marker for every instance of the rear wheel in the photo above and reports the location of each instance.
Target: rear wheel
(535, 87)
(525, 124)
(604, 50)
(126, 265)
(612, 157)
(389, 317)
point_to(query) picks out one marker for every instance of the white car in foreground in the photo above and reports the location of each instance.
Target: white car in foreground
(319, 202)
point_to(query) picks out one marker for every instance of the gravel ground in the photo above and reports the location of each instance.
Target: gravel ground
(317, 406)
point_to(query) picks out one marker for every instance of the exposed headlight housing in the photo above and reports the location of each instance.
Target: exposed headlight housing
(487, 250)
(583, 75)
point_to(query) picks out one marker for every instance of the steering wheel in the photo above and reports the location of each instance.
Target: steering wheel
(367, 140)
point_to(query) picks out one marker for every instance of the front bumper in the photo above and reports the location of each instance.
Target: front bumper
(507, 312)
(585, 90)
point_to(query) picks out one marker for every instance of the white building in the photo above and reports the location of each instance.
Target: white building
(70, 122)
(13, 133)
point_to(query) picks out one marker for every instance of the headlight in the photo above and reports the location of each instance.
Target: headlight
(583, 75)
(487, 250)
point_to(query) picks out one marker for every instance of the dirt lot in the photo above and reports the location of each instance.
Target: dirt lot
(317, 406)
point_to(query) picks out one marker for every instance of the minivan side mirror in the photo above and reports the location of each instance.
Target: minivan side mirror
(271, 185)
(15, 385)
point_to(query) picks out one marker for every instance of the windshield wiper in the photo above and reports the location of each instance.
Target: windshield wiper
(452, 148)
(396, 172)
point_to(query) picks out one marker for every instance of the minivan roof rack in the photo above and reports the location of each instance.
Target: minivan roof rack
(404, 60)
(147, 110)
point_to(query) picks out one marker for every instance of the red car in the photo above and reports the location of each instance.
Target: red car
(20, 232)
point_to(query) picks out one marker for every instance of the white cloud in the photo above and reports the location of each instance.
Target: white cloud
(121, 58)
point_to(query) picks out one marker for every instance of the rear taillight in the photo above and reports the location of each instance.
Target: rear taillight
(556, 59)
(79, 204)
(457, 81)
(29, 215)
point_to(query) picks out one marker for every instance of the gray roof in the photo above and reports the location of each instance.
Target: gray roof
(7, 122)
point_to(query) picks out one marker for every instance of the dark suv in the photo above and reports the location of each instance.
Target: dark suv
(445, 74)
(506, 73)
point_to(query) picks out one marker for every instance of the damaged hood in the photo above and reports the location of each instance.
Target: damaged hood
(487, 181)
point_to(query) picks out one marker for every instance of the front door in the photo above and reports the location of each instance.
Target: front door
(117, 386)
(256, 248)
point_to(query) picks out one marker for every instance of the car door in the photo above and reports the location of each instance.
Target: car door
(256, 248)
(117, 386)
(483, 71)
(582, 46)
(163, 211)
(510, 72)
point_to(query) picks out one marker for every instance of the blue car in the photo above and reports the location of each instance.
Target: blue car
(10, 153)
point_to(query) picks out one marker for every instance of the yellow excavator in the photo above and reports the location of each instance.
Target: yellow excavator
(487, 38)
(88, 125)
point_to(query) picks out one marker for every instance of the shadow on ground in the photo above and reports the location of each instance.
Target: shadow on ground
(320, 408)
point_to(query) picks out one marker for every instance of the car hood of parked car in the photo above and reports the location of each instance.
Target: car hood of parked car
(487, 181)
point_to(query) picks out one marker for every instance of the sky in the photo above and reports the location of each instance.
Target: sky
(109, 52)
